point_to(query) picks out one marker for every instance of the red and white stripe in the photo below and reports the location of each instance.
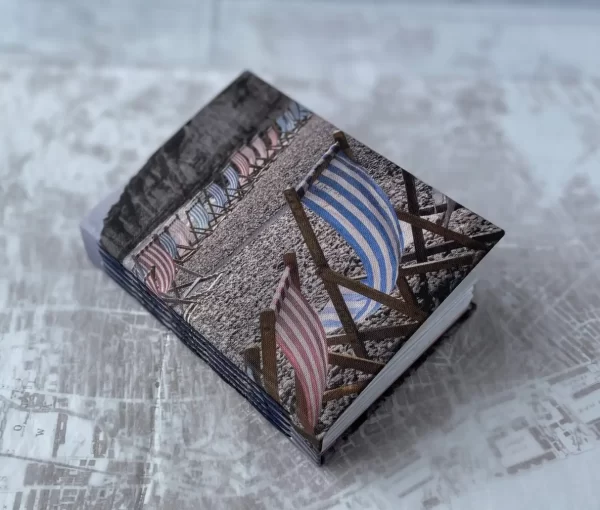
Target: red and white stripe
(260, 147)
(250, 155)
(242, 164)
(160, 278)
(181, 234)
(301, 337)
(273, 137)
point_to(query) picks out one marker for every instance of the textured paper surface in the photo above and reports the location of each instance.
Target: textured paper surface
(537, 317)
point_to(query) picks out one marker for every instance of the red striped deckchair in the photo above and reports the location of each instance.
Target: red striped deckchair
(184, 238)
(273, 139)
(260, 147)
(250, 155)
(243, 166)
(293, 325)
(159, 266)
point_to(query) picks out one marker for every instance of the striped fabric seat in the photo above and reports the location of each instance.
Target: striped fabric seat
(291, 120)
(298, 111)
(273, 137)
(139, 271)
(232, 177)
(249, 155)
(217, 196)
(261, 147)
(353, 204)
(242, 164)
(284, 124)
(301, 337)
(181, 234)
(169, 244)
(155, 256)
(199, 217)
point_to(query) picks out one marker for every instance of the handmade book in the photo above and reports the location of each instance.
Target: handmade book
(307, 270)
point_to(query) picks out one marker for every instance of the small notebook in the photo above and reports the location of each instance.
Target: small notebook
(307, 270)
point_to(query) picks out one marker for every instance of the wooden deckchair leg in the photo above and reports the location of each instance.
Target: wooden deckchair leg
(341, 139)
(342, 391)
(269, 352)
(379, 333)
(434, 209)
(405, 291)
(187, 214)
(449, 210)
(447, 246)
(230, 196)
(385, 299)
(301, 410)
(175, 290)
(189, 271)
(462, 239)
(212, 210)
(152, 274)
(316, 252)
(361, 364)
(436, 265)
(412, 202)
(251, 357)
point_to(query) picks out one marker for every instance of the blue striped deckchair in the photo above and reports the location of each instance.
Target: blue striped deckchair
(286, 125)
(298, 111)
(169, 244)
(291, 325)
(344, 195)
(347, 198)
(292, 122)
(232, 178)
(199, 218)
(217, 200)
(140, 271)
(219, 197)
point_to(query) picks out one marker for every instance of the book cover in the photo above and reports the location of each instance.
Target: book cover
(292, 258)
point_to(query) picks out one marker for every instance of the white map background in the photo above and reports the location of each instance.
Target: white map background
(101, 408)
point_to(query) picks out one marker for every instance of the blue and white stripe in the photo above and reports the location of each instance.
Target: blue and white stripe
(199, 217)
(298, 111)
(348, 198)
(217, 195)
(139, 271)
(169, 244)
(291, 120)
(285, 124)
(232, 177)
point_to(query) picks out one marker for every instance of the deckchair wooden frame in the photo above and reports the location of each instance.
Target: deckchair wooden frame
(300, 122)
(274, 149)
(194, 230)
(248, 179)
(408, 306)
(265, 161)
(255, 168)
(216, 211)
(267, 353)
(234, 195)
(176, 289)
(414, 217)
(285, 136)
(180, 259)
